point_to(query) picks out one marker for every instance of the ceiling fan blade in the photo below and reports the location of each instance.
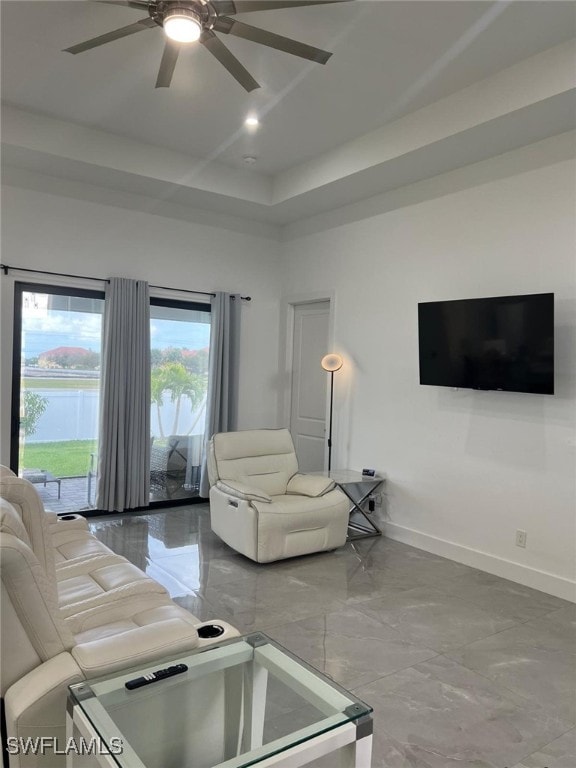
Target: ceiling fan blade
(230, 8)
(228, 60)
(139, 4)
(169, 58)
(256, 35)
(116, 34)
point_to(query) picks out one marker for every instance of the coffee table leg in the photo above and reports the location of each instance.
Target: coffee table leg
(256, 683)
(363, 756)
(234, 699)
(79, 728)
(69, 735)
(355, 755)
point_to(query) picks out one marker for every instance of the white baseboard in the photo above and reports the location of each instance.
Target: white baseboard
(507, 569)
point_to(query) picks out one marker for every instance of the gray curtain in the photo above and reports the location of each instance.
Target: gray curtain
(124, 448)
(222, 403)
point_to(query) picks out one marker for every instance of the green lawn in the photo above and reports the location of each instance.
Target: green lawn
(38, 383)
(68, 458)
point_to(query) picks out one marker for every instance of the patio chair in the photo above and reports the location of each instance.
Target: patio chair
(177, 463)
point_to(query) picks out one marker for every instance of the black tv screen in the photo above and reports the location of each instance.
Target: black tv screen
(503, 343)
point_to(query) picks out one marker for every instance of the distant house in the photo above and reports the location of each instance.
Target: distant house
(196, 359)
(69, 357)
(194, 352)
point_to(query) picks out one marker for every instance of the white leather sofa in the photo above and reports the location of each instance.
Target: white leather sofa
(51, 637)
(260, 504)
(94, 575)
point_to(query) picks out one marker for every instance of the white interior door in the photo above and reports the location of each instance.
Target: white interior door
(308, 402)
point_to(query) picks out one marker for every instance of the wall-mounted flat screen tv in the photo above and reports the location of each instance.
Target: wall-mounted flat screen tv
(501, 343)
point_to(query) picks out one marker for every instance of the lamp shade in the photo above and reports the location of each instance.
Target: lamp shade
(332, 362)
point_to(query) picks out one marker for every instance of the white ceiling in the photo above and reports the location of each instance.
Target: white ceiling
(390, 59)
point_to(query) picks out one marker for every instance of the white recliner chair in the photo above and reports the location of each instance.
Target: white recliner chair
(260, 504)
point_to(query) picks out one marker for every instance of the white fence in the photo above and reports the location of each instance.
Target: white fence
(72, 414)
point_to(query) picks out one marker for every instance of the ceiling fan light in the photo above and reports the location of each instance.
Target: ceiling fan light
(182, 25)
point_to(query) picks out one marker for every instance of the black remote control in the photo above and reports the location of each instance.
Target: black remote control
(152, 677)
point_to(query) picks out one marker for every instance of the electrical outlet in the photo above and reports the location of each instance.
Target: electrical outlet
(378, 499)
(520, 538)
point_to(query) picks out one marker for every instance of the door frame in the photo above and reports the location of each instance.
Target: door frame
(286, 348)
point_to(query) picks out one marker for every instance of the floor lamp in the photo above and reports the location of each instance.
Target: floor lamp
(331, 363)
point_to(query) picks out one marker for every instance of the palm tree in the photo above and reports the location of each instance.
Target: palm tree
(157, 387)
(175, 378)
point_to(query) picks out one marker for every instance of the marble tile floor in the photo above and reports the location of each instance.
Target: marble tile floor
(463, 669)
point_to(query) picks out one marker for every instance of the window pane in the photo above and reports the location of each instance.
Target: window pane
(180, 340)
(59, 396)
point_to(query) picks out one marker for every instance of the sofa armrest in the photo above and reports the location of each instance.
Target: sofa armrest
(135, 647)
(309, 485)
(70, 522)
(242, 491)
(38, 699)
(229, 632)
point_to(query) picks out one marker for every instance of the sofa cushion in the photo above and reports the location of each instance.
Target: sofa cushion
(100, 579)
(74, 543)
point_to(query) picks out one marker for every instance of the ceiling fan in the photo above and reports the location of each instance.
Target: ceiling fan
(186, 21)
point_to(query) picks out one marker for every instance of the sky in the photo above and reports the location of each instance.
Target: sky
(43, 330)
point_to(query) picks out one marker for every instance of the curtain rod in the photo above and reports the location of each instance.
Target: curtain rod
(6, 267)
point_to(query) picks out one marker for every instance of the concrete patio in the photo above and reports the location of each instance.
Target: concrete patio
(74, 496)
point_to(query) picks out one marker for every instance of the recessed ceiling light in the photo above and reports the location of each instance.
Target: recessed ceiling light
(252, 121)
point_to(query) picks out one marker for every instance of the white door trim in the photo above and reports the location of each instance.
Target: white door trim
(286, 346)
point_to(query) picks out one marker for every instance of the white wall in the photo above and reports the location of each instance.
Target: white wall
(465, 469)
(61, 232)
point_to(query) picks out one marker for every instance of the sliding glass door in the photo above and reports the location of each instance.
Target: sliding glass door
(56, 390)
(56, 394)
(180, 340)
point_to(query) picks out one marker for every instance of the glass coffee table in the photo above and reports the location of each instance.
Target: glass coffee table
(244, 702)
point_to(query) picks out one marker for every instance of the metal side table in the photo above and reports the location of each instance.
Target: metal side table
(357, 487)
